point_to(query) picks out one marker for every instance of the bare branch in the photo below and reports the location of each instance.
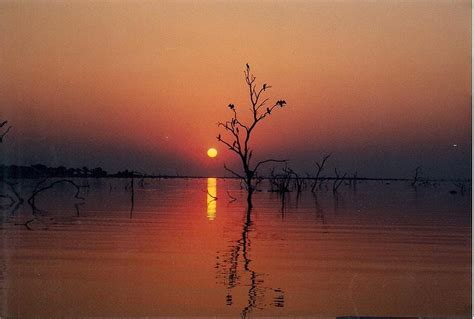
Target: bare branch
(231, 147)
(5, 132)
(320, 169)
(337, 181)
(268, 161)
(233, 172)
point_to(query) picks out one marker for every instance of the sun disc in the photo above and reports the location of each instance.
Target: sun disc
(212, 152)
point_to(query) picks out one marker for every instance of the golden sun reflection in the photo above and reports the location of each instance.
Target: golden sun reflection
(211, 198)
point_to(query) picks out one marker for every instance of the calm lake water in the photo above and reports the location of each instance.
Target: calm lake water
(374, 250)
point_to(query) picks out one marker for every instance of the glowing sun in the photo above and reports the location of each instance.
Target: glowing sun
(212, 152)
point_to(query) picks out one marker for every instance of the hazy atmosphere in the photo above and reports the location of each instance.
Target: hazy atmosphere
(345, 126)
(383, 86)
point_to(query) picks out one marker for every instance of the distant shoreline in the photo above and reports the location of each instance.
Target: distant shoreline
(42, 171)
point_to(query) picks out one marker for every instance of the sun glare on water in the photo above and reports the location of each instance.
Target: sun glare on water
(212, 152)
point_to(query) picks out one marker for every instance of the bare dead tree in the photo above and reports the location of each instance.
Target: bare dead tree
(5, 128)
(337, 181)
(239, 132)
(318, 172)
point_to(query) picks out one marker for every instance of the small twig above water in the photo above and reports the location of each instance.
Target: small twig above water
(232, 198)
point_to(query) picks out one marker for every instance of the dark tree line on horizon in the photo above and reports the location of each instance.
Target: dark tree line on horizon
(42, 171)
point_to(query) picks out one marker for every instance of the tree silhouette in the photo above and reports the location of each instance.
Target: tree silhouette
(4, 129)
(239, 132)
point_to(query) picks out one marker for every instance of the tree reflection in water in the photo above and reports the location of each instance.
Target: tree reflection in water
(235, 263)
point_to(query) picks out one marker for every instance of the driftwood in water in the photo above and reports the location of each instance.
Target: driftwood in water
(38, 190)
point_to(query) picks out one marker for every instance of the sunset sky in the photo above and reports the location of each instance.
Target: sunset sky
(384, 86)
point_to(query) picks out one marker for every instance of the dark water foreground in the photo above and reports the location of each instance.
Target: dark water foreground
(376, 250)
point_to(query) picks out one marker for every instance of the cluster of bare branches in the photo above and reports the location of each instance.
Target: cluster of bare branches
(280, 182)
(239, 132)
(12, 199)
(289, 180)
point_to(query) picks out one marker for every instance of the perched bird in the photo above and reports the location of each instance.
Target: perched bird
(264, 86)
(248, 66)
(231, 106)
(219, 137)
(268, 111)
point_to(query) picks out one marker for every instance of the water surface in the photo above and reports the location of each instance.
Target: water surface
(375, 249)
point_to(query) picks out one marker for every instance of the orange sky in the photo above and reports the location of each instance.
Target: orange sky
(385, 86)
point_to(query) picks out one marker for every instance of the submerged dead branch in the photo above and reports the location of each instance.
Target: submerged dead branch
(337, 181)
(320, 167)
(12, 187)
(38, 190)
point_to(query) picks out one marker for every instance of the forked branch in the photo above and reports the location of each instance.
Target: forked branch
(318, 172)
